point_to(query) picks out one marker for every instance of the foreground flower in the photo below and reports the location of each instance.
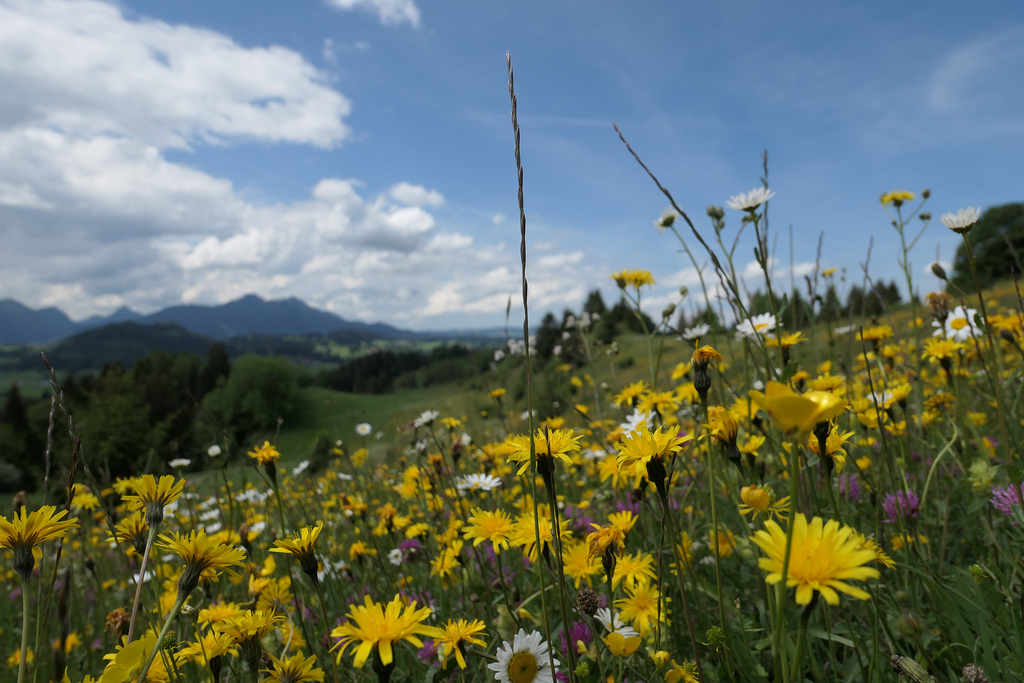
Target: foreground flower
(126, 664)
(264, 454)
(620, 645)
(525, 660)
(295, 669)
(959, 325)
(454, 638)
(961, 221)
(373, 628)
(824, 556)
(748, 201)
(27, 530)
(802, 412)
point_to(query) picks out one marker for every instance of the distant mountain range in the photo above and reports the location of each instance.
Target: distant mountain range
(250, 315)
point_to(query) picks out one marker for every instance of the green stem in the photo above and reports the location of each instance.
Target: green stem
(801, 642)
(160, 638)
(23, 660)
(139, 581)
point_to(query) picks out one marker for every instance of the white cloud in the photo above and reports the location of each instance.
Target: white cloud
(66, 65)
(416, 195)
(390, 12)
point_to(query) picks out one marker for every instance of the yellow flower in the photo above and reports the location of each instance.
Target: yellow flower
(793, 411)
(621, 646)
(132, 530)
(640, 607)
(633, 278)
(295, 669)
(447, 560)
(201, 555)
(682, 673)
(126, 664)
(303, 547)
(548, 444)
(153, 495)
(824, 556)
(605, 539)
(28, 530)
(897, 197)
(645, 451)
(705, 355)
(483, 525)
(578, 563)
(634, 569)
(455, 636)
(498, 393)
(629, 395)
(264, 454)
(526, 533)
(372, 627)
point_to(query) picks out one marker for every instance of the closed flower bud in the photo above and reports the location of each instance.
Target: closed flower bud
(939, 272)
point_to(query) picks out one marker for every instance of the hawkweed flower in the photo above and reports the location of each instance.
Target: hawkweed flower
(548, 445)
(759, 500)
(295, 669)
(702, 357)
(26, 531)
(153, 495)
(645, 451)
(902, 504)
(723, 428)
(633, 278)
(201, 554)
(607, 543)
(454, 638)
(897, 197)
(248, 630)
(524, 660)
(823, 557)
(132, 530)
(793, 411)
(302, 546)
(484, 525)
(374, 628)
(267, 455)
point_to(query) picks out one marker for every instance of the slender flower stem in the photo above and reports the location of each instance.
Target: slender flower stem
(801, 642)
(139, 582)
(160, 638)
(23, 660)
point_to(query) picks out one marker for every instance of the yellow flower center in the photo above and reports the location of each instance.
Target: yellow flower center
(958, 323)
(522, 668)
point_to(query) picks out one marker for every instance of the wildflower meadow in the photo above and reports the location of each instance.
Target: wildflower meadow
(755, 499)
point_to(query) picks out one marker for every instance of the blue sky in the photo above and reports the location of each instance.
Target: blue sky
(358, 153)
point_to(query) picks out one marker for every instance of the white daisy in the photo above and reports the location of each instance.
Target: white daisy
(300, 468)
(213, 451)
(758, 324)
(962, 219)
(426, 417)
(395, 557)
(614, 624)
(634, 421)
(478, 482)
(525, 660)
(363, 429)
(666, 220)
(696, 332)
(959, 325)
(746, 201)
(179, 463)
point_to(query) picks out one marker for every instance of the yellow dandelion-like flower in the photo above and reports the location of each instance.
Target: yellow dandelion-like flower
(372, 627)
(793, 411)
(295, 669)
(483, 525)
(302, 546)
(824, 556)
(548, 444)
(26, 531)
(200, 555)
(454, 638)
(264, 454)
(633, 278)
(646, 450)
(152, 495)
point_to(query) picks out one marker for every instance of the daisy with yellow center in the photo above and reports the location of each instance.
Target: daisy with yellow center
(524, 660)
(374, 628)
(454, 638)
(823, 557)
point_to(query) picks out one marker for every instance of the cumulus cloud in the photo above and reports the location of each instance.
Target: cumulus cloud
(64, 63)
(390, 12)
(96, 214)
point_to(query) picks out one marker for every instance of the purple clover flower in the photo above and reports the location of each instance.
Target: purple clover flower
(1003, 499)
(903, 504)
